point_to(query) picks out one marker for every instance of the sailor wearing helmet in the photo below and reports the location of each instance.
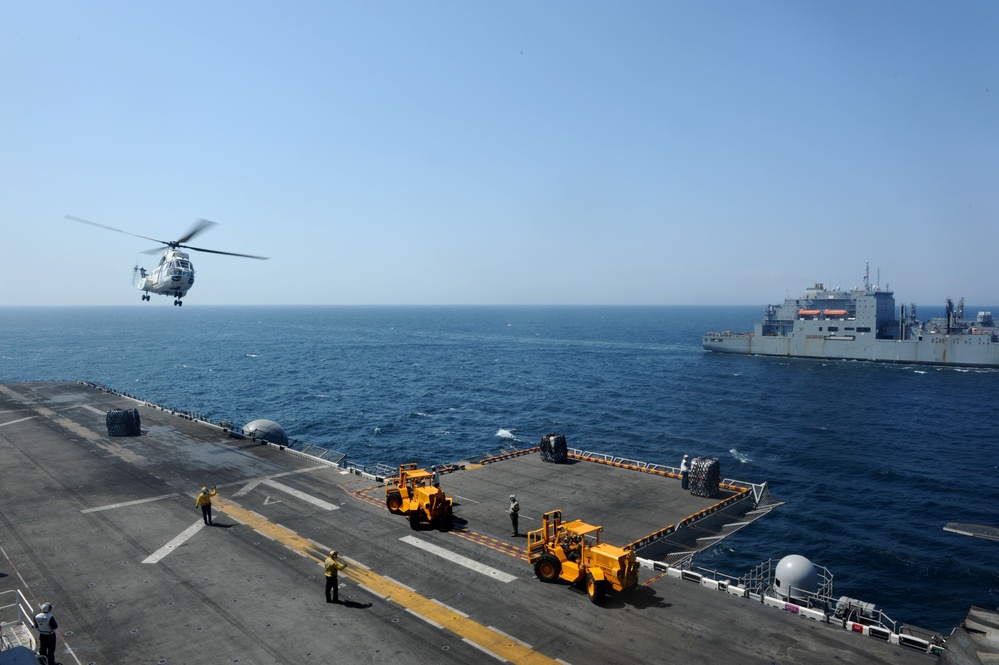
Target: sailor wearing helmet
(514, 511)
(204, 502)
(46, 625)
(333, 566)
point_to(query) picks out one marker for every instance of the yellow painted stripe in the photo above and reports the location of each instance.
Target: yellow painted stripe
(283, 535)
(429, 610)
(76, 428)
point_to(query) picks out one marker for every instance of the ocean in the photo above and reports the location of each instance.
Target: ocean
(871, 460)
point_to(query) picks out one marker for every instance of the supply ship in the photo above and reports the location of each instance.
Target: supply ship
(863, 324)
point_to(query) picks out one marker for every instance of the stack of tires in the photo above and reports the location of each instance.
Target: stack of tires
(705, 473)
(123, 422)
(553, 448)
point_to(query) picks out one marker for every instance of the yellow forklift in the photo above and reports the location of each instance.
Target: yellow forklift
(572, 551)
(413, 494)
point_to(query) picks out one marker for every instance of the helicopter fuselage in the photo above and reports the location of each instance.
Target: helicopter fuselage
(174, 276)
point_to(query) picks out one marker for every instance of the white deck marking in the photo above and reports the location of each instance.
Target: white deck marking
(427, 619)
(321, 467)
(247, 488)
(176, 542)
(19, 420)
(458, 559)
(372, 591)
(449, 608)
(301, 495)
(111, 506)
(252, 484)
(511, 638)
(484, 650)
(404, 586)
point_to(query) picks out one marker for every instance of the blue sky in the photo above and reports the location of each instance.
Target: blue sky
(502, 153)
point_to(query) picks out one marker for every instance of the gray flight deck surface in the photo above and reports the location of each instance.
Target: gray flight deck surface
(106, 529)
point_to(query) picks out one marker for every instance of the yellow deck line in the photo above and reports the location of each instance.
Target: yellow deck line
(482, 636)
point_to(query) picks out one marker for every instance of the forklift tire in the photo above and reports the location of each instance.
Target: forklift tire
(548, 567)
(415, 517)
(394, 502)
(595, 589)
(444, 521)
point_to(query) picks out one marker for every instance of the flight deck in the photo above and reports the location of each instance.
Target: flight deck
(105, 528)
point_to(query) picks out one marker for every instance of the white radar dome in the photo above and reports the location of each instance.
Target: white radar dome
(266, 430)
(796, 577)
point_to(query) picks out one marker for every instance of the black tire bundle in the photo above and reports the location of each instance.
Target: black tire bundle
(705, 473)
(123, 422)
(553, 448)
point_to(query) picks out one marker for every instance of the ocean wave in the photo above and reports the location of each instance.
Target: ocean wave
(744, 459)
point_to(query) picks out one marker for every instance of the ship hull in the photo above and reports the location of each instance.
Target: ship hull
(956, 350)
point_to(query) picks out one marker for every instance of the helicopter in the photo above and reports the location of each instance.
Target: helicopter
(174, 275)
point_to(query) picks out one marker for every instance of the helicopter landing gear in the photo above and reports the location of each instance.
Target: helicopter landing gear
(178, 302)
(145, 296)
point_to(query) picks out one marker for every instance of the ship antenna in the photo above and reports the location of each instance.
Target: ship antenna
(867, 276)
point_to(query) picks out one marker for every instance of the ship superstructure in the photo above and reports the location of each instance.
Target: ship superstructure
(863, 324)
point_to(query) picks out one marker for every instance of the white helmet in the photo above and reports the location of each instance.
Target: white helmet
(46, 607)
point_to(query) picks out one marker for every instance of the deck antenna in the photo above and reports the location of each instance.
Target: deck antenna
(867, 276)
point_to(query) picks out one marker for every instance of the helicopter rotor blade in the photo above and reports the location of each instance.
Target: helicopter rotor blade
(200, 225)
(215, 251)
(111, 228)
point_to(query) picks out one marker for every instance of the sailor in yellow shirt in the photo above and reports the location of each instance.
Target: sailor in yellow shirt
(332, 568)
(205, 502)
